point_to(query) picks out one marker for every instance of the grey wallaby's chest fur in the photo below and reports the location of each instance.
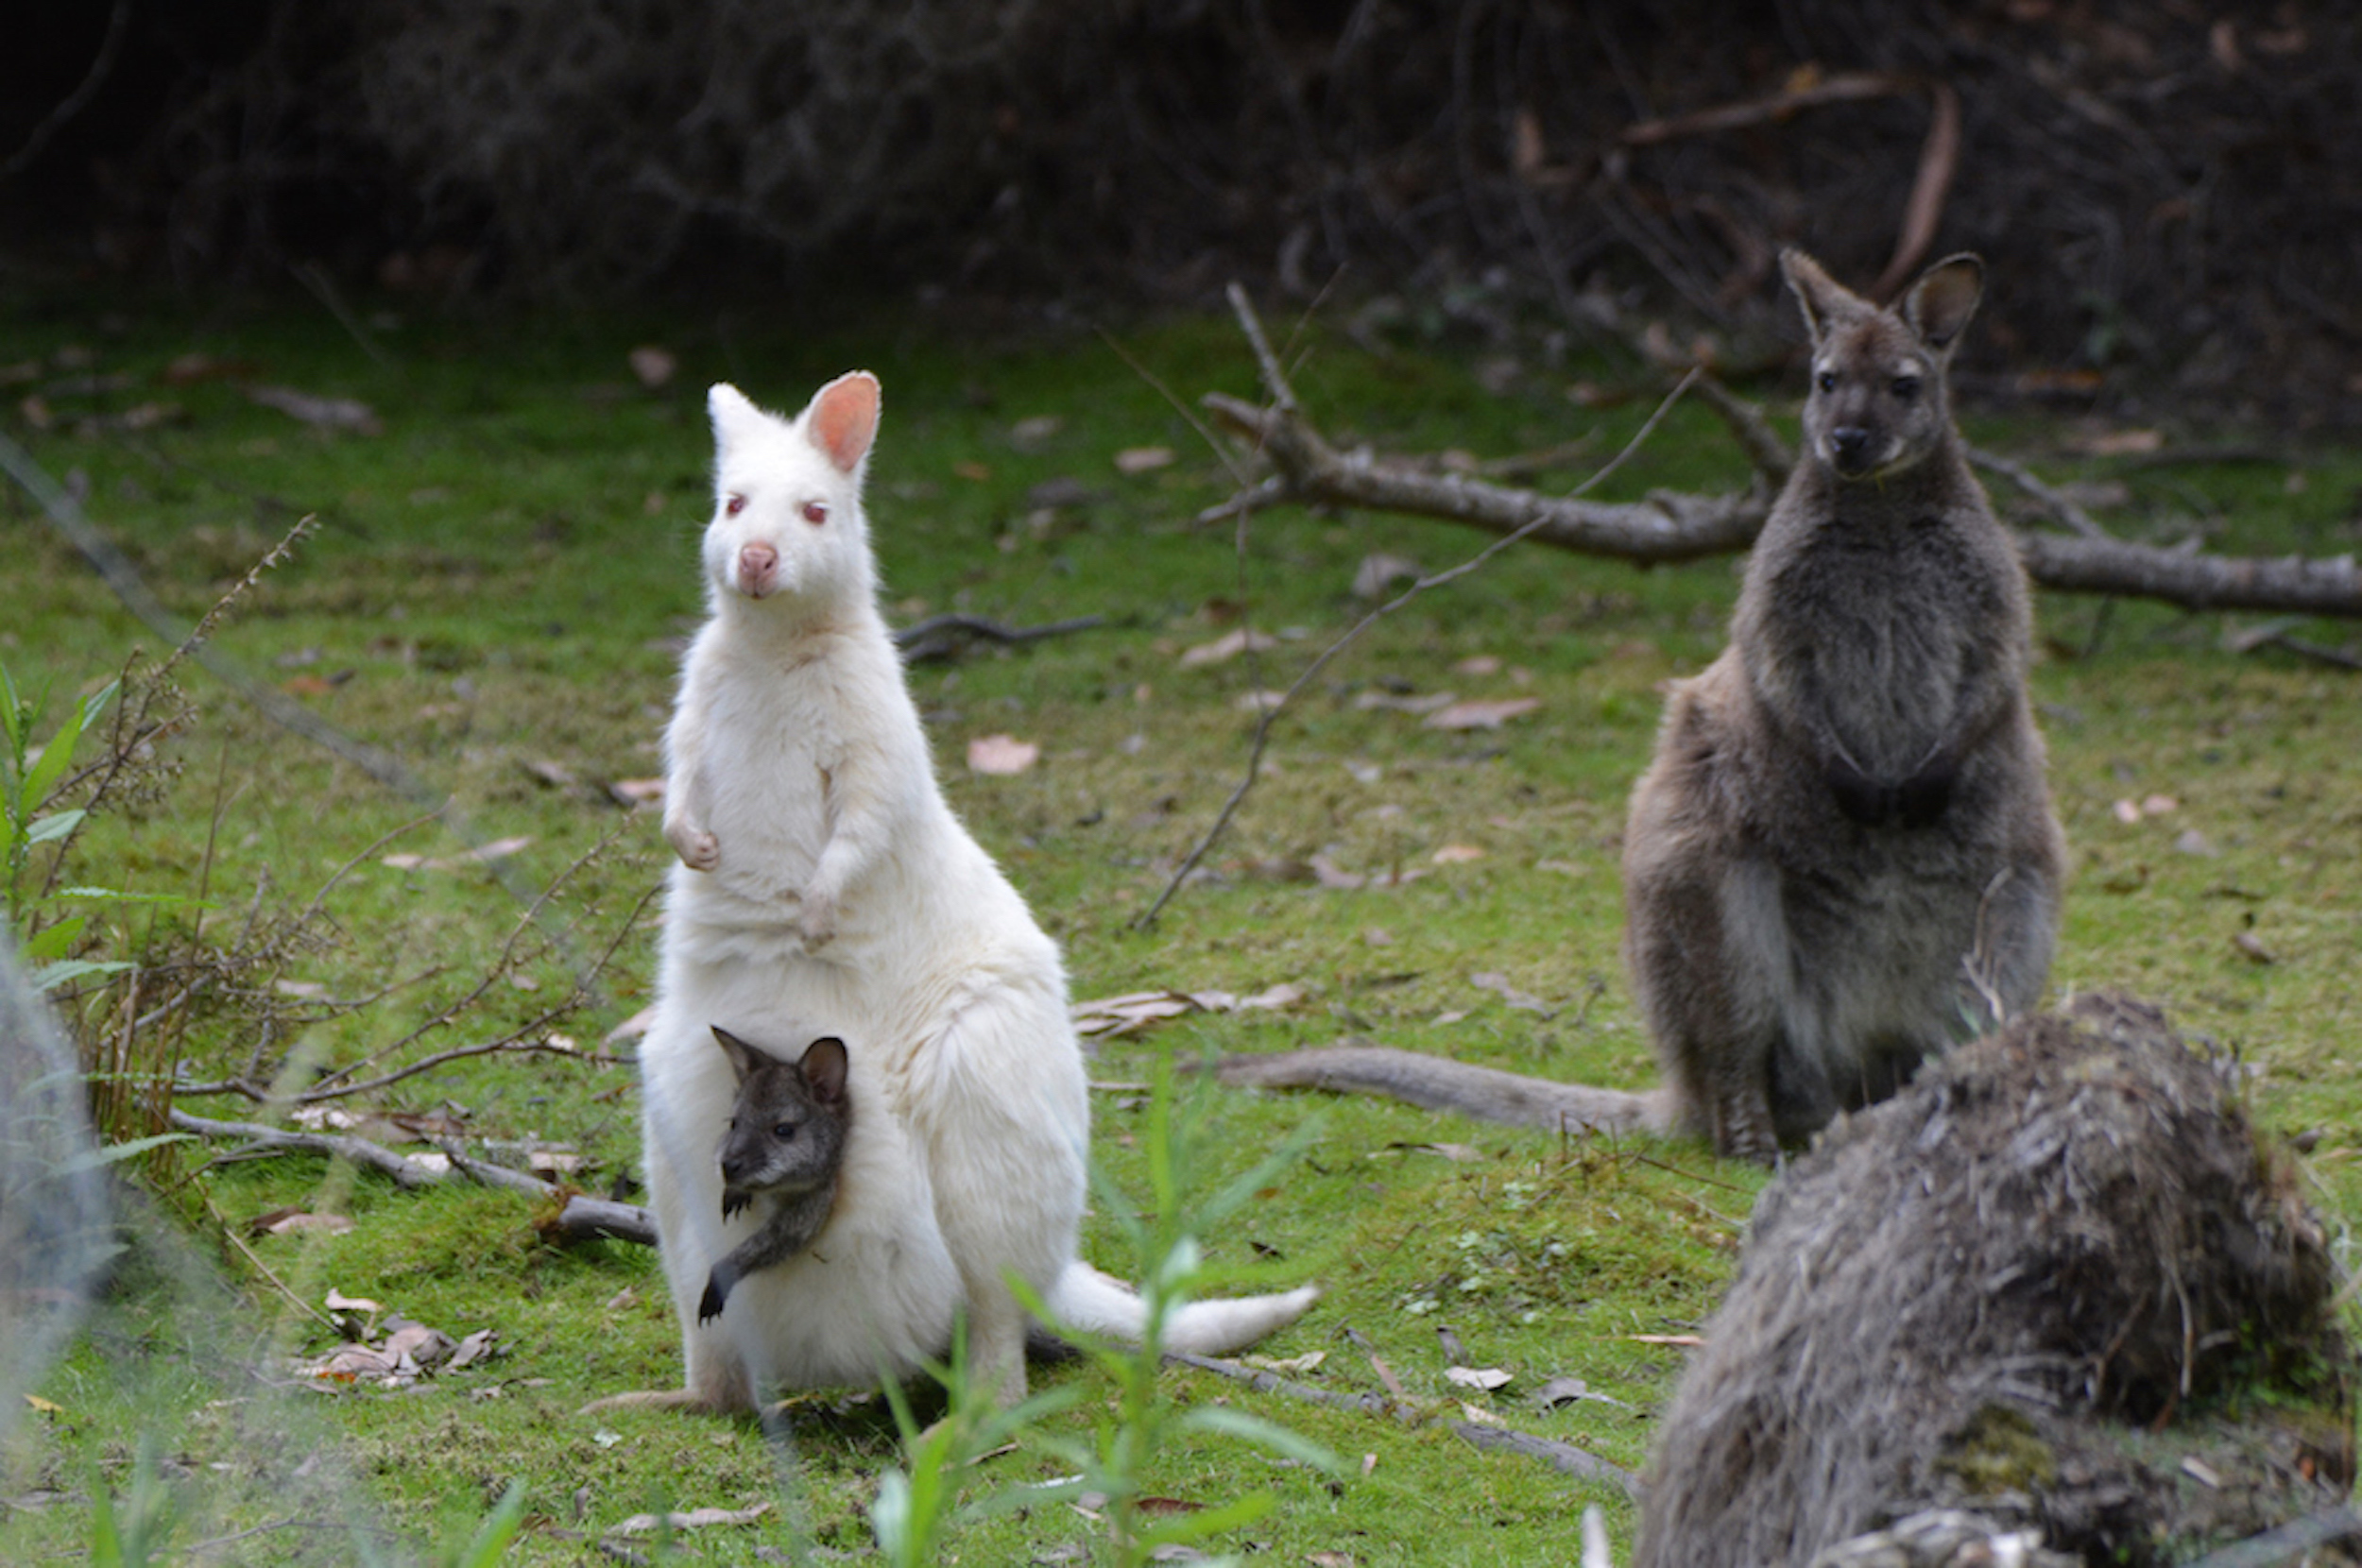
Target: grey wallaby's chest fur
(1842, 858)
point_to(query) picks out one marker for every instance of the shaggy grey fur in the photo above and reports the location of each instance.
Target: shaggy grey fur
(2032, 1287)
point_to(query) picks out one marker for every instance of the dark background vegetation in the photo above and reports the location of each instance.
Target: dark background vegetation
(2169, 190)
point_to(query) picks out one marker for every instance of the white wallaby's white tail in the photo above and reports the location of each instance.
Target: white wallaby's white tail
(1087, 1300)
(1594, 1553)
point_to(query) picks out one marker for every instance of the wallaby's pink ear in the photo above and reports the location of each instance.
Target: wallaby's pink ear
(744, 1058)
(1823, 298)
(1937, 306)
(824, 1068)
(733, 414)
(843, 419)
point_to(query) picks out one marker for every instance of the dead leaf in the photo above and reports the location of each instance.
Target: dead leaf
(1485, 1379)
(1499, 986)
(1292, 1366)
(1230, 646)
(1258, 702)
(424, 1346)
(1143, 459)
(2117, 443)
(1569, 1390)
(695, 1519)
(290, 1221)
(1167, 1505)
(637, 791)
(299, 988)
(1688, 1341)
(1458, 1153)
(2252, 946)
(975, 473)
(1482, 1416)
(1478, 665)
(1334, 877)
(553, 1161)
(2192, 842)
(1001, 754)
(322, 1119)
(45, 1406)
(1397, 702)
(1457, 854)
(1481, 715)
(1339, 1559)
(320, 413)
(2125, 811)
(475, 1347)
(654, 366)
(2158, 805)
(631, 1027)
(1375, 573)
(337, 1300)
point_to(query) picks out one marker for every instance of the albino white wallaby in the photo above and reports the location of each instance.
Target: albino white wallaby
(784, 1148)
(823, 878)
(1842, 858)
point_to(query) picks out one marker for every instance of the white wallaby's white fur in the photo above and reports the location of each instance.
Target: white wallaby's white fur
(825, 887)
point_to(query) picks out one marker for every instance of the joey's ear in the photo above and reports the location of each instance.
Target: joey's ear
(843, 419)
(733, 413)
(744, 1058)
(824, 1068)
(1937, 306)
(1823, 299)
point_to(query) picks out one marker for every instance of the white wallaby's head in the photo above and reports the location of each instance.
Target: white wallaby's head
(788, 529)
(1878, 402)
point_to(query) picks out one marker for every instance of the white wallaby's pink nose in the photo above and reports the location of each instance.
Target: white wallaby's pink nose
(758, 569)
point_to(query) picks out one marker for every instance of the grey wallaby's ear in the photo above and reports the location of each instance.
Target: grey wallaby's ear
(744, 1058)
(824, 1066)
(1823, 299)
(1940, 303)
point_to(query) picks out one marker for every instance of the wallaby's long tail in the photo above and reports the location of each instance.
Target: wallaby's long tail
(1438, 1084)
(1088, 1299)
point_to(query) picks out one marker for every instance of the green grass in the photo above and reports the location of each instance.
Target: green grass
(501, 580)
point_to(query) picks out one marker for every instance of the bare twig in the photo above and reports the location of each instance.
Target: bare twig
(2048, 497)
(1285, 417)
(942, 636)
(74, 102)
(1676, 527)
(1563, 1457)
(406, 1173)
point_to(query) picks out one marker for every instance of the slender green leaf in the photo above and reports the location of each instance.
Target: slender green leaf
(57, 824)
(52, 940)
(1255, 1429)
(49, 977)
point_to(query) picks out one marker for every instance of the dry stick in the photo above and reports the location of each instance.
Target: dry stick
(1676, 527)
(2050, 499)
(1563, 1457)
(1284, 407)
(582, 1217)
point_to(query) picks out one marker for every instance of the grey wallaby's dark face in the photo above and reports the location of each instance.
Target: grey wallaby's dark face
(1878, 402)
(788, 1124)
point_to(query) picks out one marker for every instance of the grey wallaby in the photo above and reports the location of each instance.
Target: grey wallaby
(785, 1142)
(1842, 858)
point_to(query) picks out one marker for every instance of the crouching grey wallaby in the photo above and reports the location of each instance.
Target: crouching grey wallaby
(1842, 858)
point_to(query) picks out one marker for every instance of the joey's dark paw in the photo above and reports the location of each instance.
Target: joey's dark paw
(733, 1202)
(710, 1304)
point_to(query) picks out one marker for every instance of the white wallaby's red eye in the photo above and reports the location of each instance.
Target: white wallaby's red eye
(815, 512)
(734, 506)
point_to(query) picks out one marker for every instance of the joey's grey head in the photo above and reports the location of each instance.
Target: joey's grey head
(788, 1122)
(1878, 402)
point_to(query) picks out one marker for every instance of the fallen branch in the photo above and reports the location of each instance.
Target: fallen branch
(1672, 526)
(1284, 414)
(1667, 527)
(943, 636)
(1563, 1457)
(580, 1219)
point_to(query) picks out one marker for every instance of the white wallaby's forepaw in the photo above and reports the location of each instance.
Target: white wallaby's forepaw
(817, 924)
(698, 849)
